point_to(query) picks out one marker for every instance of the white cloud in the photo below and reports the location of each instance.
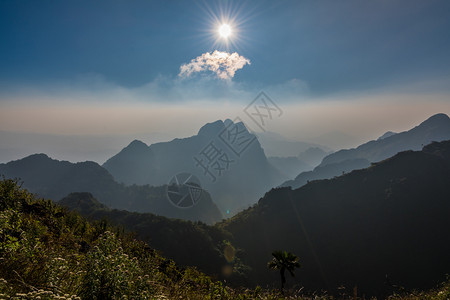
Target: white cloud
(223, 64)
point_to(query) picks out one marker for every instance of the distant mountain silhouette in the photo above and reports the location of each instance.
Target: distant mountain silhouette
(386, 135)
(327, 171)
(242, 180)
(389, 219)
(55, 179)
(289, 166)
(436, 128)
(276, 145)
(313, 155)
(136, 157)
(336, 140)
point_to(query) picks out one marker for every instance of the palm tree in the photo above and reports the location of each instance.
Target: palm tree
(283, 260)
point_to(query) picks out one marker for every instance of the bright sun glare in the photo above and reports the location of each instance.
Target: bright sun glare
(225, 30)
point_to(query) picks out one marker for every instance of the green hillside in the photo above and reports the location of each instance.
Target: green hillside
(47, 252)
(188, 243)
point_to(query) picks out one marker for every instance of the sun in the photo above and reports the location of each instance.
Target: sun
(225, 25)
(225, 31)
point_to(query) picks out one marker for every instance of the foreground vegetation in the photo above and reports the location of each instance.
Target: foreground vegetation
(47, 252)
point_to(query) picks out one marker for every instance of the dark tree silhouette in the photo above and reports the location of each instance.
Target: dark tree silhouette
(283, 260)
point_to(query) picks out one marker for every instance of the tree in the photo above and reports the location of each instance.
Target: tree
(283, 260)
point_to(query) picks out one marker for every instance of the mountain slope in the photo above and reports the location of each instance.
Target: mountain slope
(292, 165)
(275, 144)
(47, 252)
(386, 134)
(435, 128)
(327, 171)
(313, 156)
(289, 166)
(389, 219)
(55, 179)
(235, 179)
(188, 243)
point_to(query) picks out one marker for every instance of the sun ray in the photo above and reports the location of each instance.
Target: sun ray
(224, 26)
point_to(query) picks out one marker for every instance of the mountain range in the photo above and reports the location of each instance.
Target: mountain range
(379, 228)
(227, 159)
(55, 179)
(435, 128)
(277, 145)
(390, 219)
(291, 166)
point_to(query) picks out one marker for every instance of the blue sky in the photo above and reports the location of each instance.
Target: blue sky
(87, 60)
(330, 45)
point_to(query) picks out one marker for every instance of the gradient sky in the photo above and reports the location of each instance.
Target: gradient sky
(110, 68)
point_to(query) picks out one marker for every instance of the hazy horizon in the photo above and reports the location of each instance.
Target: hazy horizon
(81, 88)
(98, 146)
